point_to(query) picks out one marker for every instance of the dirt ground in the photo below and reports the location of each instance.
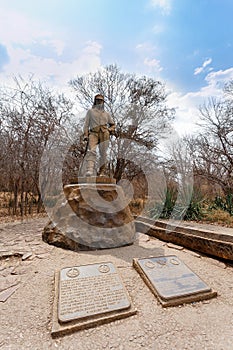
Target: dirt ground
(29, 264)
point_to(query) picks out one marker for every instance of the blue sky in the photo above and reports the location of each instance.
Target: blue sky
(187, 44)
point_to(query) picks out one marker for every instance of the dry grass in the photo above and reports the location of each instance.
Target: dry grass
(136, 206)
(6, 211)
(215, 216)
(220, 217)
(6, 217)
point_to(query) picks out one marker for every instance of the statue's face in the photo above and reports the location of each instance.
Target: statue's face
(99, 101)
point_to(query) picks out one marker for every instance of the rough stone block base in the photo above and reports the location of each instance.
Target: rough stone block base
(94, 216)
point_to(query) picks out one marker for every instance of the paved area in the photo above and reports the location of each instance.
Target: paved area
(27, 269)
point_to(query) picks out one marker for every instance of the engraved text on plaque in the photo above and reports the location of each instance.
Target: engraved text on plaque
(90, 290)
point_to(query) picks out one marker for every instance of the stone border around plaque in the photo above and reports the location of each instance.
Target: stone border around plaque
(171, 281)
(87, 296)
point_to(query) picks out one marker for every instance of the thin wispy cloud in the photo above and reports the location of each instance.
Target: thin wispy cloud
(153, 63)
(146, 53)
(145, 47)
(158, 29)
(164, 5)
(201, 69)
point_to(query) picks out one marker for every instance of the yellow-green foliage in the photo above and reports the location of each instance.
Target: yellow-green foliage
(219, 216)
(136, 206)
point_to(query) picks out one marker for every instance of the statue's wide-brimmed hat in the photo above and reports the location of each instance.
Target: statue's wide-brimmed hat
(99, 97)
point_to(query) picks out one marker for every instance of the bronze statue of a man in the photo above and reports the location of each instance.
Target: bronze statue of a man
(97, 129)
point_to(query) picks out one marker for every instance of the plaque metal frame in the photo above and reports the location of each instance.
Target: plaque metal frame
(171, 281)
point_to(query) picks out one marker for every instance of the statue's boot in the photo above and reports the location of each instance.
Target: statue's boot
(102, 170)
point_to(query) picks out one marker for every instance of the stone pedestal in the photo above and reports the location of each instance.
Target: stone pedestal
(93, 180)
(100, 218)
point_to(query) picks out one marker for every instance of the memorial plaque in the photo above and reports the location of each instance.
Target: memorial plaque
(90, 290)
(88, 295)
(171, 280)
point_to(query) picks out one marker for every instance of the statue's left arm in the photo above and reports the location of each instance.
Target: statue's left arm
(112, 125)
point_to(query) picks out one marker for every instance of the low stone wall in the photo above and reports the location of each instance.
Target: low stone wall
(207, 242)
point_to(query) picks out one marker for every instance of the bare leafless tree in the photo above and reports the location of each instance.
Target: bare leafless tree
(138, 106)
(212, 148)
(29, 114)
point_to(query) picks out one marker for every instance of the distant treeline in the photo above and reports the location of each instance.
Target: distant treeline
(30, 113)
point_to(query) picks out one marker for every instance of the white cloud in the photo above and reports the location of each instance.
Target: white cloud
(201, 69)
(207, 62)
(153, 63)
(92, 48)
(220, 77)
(146, 47)
(146, 52)
(17, 28)
(187, 105)
(158, 29)
(58, 45)
(53, 71)
(24, 38)
(165, 5)
(198, 70)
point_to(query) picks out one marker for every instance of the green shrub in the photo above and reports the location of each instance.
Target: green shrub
(164, 210)
(193, 211)
(223, 203)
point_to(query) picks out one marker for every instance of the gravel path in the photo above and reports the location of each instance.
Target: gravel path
(28, 266)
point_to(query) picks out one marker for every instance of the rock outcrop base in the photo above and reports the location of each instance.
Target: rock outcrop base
(94, 216)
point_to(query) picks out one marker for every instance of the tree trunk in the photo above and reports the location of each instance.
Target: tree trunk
(120, 166)
(15, 198)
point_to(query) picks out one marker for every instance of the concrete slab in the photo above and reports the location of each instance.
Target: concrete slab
(172, 282)
(88, 295)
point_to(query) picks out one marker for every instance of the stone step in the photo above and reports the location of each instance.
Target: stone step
(188, 229)
(206, 242)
